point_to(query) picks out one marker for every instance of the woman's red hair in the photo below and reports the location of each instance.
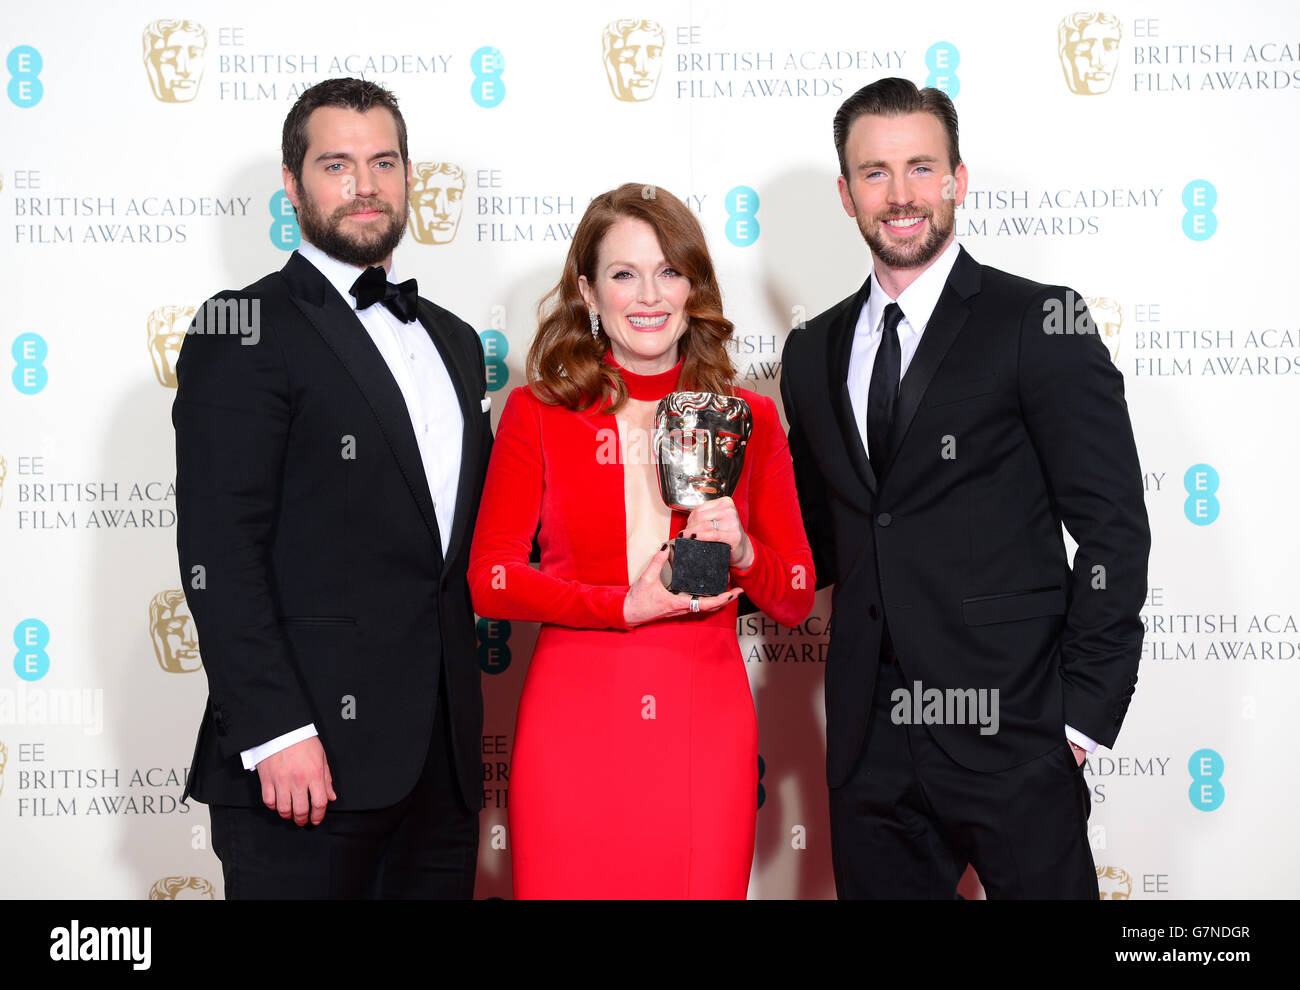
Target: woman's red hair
(564, 364)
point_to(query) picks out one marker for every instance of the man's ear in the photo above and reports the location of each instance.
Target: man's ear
(846, 197)
(290, 185)
(960, 179)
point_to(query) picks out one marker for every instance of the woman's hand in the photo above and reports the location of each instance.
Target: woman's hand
(717, 521)
(648, 599)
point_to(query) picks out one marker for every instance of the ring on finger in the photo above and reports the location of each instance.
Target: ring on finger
(695, 603)
(715, 525)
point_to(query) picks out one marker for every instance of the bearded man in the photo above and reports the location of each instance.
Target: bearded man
(946, 420)
(329, 461)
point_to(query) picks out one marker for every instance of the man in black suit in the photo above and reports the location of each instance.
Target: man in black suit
(332, 435)
(945, 421)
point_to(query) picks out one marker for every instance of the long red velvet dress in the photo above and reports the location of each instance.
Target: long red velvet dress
(634, 772)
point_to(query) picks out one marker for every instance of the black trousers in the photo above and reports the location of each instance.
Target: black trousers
(425, 846)
(910, 818)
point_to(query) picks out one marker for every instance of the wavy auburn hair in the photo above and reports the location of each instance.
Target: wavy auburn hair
(565, 366)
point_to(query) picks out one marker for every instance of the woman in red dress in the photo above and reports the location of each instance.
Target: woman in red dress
(635, 764)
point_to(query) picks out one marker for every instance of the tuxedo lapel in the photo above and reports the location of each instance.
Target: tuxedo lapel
(945, 323)
(839, 348)
(465, 379)
(337, 323)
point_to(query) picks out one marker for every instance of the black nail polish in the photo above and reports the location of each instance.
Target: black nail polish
(664, 547)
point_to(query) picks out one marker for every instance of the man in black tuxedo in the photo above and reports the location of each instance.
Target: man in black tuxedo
(945, 421)
(332, 435)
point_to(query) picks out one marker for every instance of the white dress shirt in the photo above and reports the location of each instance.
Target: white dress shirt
(917, 302)
(417, 368)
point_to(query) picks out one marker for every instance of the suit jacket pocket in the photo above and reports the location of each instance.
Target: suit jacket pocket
(1013, 606)
(941, 395)
(317, 620)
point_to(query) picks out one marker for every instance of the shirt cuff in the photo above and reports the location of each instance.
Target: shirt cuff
(252, 757)
(1080, 740)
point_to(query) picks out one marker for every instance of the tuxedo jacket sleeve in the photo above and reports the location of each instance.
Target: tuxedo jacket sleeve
(1072, 402)
(232, 415)
(814, 508)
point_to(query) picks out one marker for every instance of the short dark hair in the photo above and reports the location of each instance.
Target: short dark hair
(350, 94)
(895, 97)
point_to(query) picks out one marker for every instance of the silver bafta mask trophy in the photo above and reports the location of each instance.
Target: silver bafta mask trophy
(699, 444)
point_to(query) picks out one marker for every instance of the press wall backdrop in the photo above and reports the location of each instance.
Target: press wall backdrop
(1120, 152)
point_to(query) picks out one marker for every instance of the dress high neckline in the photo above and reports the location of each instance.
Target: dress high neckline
(647, 388)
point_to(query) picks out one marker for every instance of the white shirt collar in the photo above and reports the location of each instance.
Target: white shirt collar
(339, 274)
(919, 299)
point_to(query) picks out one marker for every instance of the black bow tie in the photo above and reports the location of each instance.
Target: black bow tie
(372, 286)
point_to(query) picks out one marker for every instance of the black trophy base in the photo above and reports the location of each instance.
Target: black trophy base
(700, 568)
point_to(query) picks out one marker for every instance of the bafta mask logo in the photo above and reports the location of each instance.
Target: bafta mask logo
(167, 326)
(4, 759)
(1088, 46)
(182, 889)
(437, 196)
(175, 639)
(1109, 317)
(634, 52)
(1113, 883)
(173, 58)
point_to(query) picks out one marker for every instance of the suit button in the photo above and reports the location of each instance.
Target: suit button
(873, 612)
(884, 519)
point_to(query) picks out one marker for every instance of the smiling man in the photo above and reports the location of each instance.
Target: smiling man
(327, 481)
(946, 420)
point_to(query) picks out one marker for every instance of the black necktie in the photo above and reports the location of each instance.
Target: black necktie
(882, 393)
(372, 286)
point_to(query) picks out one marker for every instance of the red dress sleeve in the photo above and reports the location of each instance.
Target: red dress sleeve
(502, 583)
(781, 580)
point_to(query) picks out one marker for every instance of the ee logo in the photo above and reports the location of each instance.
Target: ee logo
(30, 352)
(284, 224)
(31, 662)
(742, 220)
(1199, 222)
(1201, 482)
(24, 64)
(493, 648)
(1206, 792)
(488, 88)
(495, 348)
(942, 59)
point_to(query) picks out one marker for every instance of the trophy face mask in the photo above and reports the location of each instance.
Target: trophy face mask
(699, 444)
